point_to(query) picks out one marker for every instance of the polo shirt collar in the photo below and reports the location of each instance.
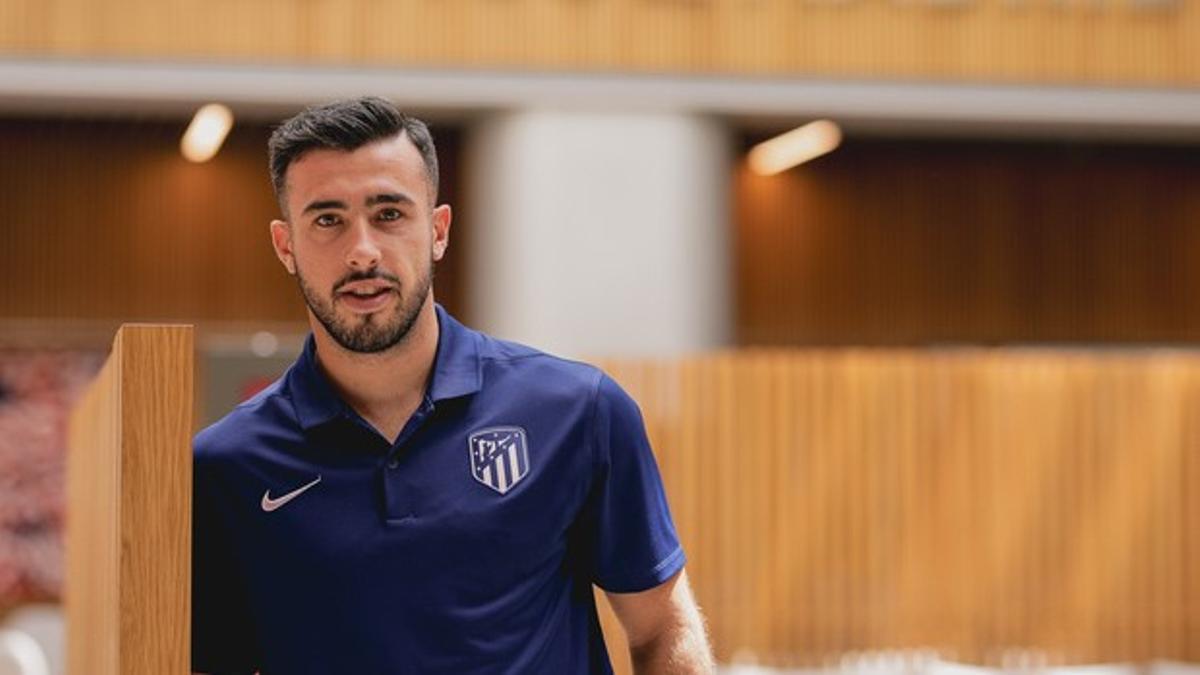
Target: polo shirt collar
(456, 372)
(314, 397)
(457, 369)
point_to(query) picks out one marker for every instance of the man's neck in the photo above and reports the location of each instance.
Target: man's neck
(384, 388)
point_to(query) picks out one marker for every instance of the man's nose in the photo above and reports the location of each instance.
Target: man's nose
(363, 253)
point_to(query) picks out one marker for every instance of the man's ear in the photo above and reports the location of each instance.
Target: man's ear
(281, 239)
(441, 231)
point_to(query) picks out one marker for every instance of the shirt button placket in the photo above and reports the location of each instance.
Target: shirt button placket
(399, 506)
(396, 497)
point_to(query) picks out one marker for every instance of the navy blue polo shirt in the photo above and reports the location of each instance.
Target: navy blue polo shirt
(470, 545)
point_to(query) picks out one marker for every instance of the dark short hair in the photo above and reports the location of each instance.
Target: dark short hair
(346, 125)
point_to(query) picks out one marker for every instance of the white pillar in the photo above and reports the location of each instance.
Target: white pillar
(597, 234)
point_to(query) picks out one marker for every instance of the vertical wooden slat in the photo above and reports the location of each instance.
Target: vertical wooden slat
(129, 509)
(91, 591)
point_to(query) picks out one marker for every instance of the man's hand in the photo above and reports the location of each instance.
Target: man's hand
(665, 630)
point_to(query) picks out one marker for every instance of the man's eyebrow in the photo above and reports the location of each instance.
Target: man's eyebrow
(325, 204)
(390, 198)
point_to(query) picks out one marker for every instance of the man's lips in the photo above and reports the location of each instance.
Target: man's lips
(364, 301)
(364, 288)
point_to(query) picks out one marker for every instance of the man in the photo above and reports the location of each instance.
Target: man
(413, 496)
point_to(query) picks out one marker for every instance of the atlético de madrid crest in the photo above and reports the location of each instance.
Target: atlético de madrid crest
(499, 457)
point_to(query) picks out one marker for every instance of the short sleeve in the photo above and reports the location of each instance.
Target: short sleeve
(223, 637)
(634, 546)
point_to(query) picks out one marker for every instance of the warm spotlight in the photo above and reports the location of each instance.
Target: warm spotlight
(795, 147)
(207, 131)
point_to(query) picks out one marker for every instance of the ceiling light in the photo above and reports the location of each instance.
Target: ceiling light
(795, 147)
(207, 131)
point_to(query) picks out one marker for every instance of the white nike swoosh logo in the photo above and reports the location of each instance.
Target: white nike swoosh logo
(269, 504)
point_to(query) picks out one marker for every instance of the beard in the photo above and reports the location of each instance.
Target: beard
(375, 332)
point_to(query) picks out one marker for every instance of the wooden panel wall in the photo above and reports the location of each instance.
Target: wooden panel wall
(915, 242)
(104, 219)
(1047, 41)
(129, 475)
(968, 501)
(882, 242)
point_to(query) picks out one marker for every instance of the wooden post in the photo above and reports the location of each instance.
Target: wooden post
(129, 486)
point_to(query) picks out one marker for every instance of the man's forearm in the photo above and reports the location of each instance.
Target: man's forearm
(681, 649)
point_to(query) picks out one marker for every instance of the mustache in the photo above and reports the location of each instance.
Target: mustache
(366, 276)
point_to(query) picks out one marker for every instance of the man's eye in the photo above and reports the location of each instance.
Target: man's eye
(390, 214)
(326, 220)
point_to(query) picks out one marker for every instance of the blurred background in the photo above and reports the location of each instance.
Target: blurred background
(909, 291)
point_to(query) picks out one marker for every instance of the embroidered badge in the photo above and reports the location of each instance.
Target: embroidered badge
(499, 457)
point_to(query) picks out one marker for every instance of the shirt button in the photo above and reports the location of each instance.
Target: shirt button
(393, 463)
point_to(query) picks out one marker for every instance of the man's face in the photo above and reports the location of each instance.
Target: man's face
(361, 238)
